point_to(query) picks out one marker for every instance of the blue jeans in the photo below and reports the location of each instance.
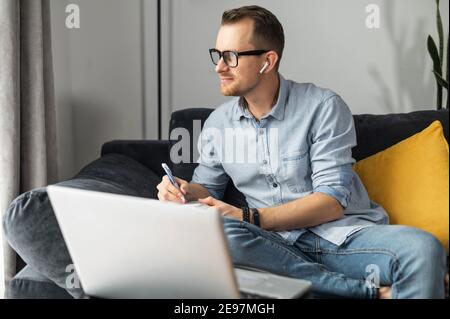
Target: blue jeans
(411, 261)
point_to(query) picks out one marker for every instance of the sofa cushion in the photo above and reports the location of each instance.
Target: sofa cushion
(30, 284)
(150, 153)
(410, 180)
(30, 225)
(184, 119)
(377, 132)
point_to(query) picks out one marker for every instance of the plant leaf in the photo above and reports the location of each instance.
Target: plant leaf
(440, 80)
(440, 30)
(432, 49)
(448, 67)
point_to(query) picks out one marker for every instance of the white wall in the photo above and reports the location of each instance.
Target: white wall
(383, 70)
(105, 72)
(100, 77)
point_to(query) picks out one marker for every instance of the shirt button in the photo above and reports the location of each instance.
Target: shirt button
(261, 132)
(275, 185)
(265, 162)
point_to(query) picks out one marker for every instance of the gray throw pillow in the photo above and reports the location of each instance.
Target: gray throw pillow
(31, 228)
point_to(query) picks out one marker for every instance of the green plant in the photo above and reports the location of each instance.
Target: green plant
(437, 55)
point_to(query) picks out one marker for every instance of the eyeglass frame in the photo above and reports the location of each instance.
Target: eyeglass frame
(237, 53)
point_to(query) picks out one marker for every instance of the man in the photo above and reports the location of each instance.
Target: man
(310, 216)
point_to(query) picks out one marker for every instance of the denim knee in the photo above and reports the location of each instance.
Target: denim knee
(241, 241)
(236, 234)
(426, 248)
(231, 222)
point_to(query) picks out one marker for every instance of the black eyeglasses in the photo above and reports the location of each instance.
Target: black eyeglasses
(231, 57)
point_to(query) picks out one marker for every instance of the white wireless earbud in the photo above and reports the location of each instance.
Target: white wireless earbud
(264, 67)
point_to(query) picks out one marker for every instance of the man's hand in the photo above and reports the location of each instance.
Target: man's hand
(169, 193)
(384, 293)
(223, 208)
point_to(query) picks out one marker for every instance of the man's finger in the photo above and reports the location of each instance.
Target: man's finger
(184, 188)
(183, 185)
(208, 200)
(179, 180)
(170, 197)
(173, 190)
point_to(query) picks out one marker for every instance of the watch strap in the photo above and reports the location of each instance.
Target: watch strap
(246, 214)
(256, 219)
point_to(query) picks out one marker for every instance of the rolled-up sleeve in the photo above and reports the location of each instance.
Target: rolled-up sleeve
(333, 136)
(210, 172)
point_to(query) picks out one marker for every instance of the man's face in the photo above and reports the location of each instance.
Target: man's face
(242, 79)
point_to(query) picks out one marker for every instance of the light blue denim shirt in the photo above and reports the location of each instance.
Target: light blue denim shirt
(301, 147)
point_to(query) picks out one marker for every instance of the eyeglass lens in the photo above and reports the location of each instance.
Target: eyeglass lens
(229, 58)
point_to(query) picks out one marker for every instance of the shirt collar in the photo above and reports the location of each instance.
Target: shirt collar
(277, 111)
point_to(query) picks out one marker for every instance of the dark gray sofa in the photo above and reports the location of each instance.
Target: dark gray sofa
(133, 167)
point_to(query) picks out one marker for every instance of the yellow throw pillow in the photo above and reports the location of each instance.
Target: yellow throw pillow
(410, 181)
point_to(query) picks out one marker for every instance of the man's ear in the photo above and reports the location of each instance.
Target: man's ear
(272, 58)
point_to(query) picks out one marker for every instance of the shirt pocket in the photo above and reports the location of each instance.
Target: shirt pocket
(295, 171)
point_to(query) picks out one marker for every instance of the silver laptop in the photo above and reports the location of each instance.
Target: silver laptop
(131, 247)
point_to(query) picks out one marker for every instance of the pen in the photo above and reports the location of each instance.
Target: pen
(171, 178)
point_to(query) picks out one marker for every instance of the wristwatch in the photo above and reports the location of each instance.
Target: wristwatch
(256, 217)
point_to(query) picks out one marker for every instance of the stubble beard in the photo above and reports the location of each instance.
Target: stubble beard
(231, 89)
(234, 89)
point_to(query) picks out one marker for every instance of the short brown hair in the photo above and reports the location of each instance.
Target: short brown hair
(267, 33)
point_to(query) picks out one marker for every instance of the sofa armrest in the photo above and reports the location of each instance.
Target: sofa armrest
(150, 153)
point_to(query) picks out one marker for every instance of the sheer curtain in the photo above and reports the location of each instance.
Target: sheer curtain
(27, 109)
